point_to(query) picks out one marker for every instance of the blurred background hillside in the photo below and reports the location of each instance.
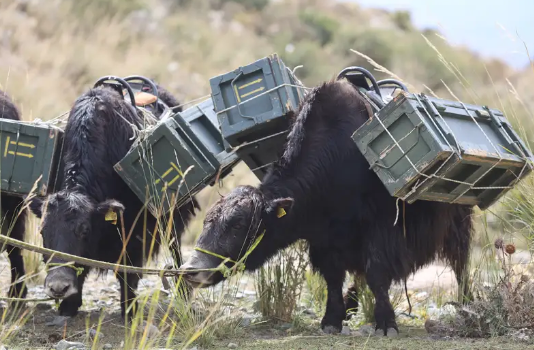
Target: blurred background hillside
(53, 50)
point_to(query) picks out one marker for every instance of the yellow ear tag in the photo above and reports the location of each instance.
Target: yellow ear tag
(281, 212)
(111, 216)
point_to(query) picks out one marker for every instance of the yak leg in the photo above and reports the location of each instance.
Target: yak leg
(351, 299)
(456, 251)
(128, 285)
(17, 223)
(379, 282)
(70, 305)
(324, 261)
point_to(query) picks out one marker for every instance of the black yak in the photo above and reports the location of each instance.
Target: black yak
(98, 135)
(11, 206)
(322, 190)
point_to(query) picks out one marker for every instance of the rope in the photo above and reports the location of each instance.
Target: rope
(95, 263)
(239, 265)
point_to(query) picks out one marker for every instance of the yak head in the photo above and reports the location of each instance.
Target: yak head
(71, 223)
(230, 228)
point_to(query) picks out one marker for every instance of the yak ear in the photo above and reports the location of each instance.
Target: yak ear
(280, 206)
(36, 206)
(109, 209)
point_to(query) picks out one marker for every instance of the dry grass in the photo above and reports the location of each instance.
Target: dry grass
(279, 283)
(51, 53)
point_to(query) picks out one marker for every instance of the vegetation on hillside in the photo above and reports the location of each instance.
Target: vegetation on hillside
(50, 52)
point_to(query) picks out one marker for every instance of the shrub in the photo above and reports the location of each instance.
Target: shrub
(323, 25)
(279, 283)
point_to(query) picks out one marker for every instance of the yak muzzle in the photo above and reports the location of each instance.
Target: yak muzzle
(195, 275)
(61, 283)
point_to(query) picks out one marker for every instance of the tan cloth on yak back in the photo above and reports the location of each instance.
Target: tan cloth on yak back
(144, 98)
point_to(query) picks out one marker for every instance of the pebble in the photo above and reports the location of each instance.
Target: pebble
(286, 326)
(153, 331)
(93, 333)
(54, 337)
(3, 347)
(57, 321)
(345, 330)
(43, 307)
(366, 330)
(232, 346)
(107, 347)
(310, 312)
(246, 321)
(67, 345)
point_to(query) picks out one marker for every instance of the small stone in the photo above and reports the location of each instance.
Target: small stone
(43, 307)
(194, 348)
(152, 332)
(54, 337)
(286, 326)
(93, 333)
(246, 321)
(310, 312)
(67, 345)
(58, 321)
(232, 346)
(366, 330)
(3, 347)
(345, 330)
(107, 347)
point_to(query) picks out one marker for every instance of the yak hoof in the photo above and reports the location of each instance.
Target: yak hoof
(392, 332)
(331, 330)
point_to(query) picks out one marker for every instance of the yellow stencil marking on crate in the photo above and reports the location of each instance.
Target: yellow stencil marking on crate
(19, 144)
(251, 83)
(168, 171)
(237, 94)
(252, 92)
(239, 97)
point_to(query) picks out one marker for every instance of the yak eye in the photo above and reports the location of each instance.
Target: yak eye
(236, 224)
(82, 229)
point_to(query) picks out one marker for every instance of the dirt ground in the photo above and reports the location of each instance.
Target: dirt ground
(44, 329)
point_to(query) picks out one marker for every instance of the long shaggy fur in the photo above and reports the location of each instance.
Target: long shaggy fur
(10, 207)
(340, 207)
(98, 135)
(329, 179)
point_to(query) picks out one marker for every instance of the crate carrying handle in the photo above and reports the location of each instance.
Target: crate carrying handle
(153, 86)
(404, 153)
(122, 82)
(393, 82)
(238, 100)
(365, 72)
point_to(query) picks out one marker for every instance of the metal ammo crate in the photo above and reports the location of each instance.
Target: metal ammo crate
(252, 102)
(451, 152)
(260, 154)
(28, 152)
(202, 121)
(156, 166)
